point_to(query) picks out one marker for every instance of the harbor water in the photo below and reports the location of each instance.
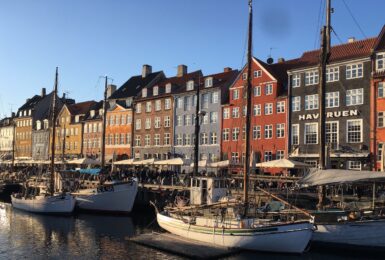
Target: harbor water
(89, 236)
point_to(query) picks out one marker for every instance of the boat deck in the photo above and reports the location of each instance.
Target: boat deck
(181, 246)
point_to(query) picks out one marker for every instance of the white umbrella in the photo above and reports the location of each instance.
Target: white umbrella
(174, 161)
(221, 164)
(202, 163)
(283, 163)
(87, 161)
(125, 162)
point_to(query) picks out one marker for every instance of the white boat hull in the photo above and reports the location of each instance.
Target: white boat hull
(369, 233)
(57, 204)
(120, 199)
(285, 238)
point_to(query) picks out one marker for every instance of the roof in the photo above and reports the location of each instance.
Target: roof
(178, 83)
(380, 43)
(80, 108)
(132, 86)
(96, 107)
(31, 102)
(7, 121)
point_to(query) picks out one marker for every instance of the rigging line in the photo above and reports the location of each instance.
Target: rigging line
(354, 19)
(335, 33)
(316, 39)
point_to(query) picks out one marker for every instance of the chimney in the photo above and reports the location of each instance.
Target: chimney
(13, 114)
(227, 69)
(43, 92)
(281, 60)
(64, 96)
(28, 99)
(147, 69)
(182, 70)
(111, 89)
(351, 39)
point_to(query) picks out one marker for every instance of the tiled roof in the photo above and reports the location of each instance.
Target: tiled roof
(30, 103)
(80, 108)
(132, 86)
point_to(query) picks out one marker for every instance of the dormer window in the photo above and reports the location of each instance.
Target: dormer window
(101, 112)
(257, 73)
(92, 113)
(190, 85)
(380, 61)
(77, 118)
(38, 125)
(208, 82)
(25, 112)
(144, 92)
(46, 125)
(168, 88)
(155, 91)
(30, 112)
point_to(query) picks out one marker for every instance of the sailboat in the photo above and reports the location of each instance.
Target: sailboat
(234, 224)
(110, 196)
(43, 199)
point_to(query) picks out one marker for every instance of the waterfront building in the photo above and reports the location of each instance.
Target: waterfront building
(70, 129)
(378, 103)
(154, 116)
(7, 128)
(92, 131)
(347, 106)
(214, 91)
(23, 131)
(269, 104)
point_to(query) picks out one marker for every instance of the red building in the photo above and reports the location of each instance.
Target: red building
(269, 116)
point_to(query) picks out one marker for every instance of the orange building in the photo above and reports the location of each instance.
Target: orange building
(92, 131)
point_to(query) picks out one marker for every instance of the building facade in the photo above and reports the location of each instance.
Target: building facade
(92, 131)
(268, 137)
(7, 129)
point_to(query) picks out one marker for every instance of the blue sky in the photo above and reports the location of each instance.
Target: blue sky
(91, 38)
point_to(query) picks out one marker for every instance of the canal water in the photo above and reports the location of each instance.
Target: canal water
(87, 236)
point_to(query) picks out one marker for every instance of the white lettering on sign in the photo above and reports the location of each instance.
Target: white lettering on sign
(334, 114)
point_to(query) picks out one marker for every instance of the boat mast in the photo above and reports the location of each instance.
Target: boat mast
(324, 60)
(248, 109)
(197, 130)
(103, 155)
(53, 122)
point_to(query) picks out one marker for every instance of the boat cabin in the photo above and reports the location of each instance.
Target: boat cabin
(207, 190)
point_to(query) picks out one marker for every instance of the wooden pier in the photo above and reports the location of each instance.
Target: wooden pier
(183, 247)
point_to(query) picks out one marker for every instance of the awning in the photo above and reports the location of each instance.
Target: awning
(283, 163)
(87, 161)
(125, 162)
(202, 163)
(221, 164)
(144, 162)
(174, 161)
(333, 176)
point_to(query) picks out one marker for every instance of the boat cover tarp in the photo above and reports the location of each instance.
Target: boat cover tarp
(173, 161)
(283, 163)
(333, 176)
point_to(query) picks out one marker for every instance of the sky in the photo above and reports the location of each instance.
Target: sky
(88, 39)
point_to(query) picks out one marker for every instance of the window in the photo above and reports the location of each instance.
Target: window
(296, 80)
(225, 134)
(179, 120)
(380, 148)
(167, 103)
(226, 113)
(166, 139)
(269, 89)
(268, 156)
(380, 90)
(236, 94)
(235, 133)
(244, 111)
(213, 138)
(148, 106)
(332, 99)
(190, 85)
(215, 97)
(296, 104)
(179, 139)
(281, 107)
(168, 88)
(331, 132)
(311, 133)
(144, 92)
(157, 139)
(138, 124)
(158, 105)
(206, 119)
(167, 121)
(257, 73)
(129, 119)
(112, 120)
(311, 77)
(187, 139)
(157, 122)
(257, 132)
(155, 91)
(187, 120)
(268, 108)
(38, 125)
(205, 100)
(311, 102)
(208, 82)
(213, 117)
(179, 102)
(354, 165)
(257, 91)
(354, 71)
(128, 139)
(138, 108)
(354, 129)
(235, 112)
(280, 154)
(148, 123)
(234, 157)
(117, 121)
(280, 130)
(332, 74)
(187, 103)
(122, 138)
(268, 131)
(244, 76)
(257, 110)
(46, 124)
(123, 119)
(147, 140)
(355, 97)
(380, 61)
(117, 139)
(204, 138)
